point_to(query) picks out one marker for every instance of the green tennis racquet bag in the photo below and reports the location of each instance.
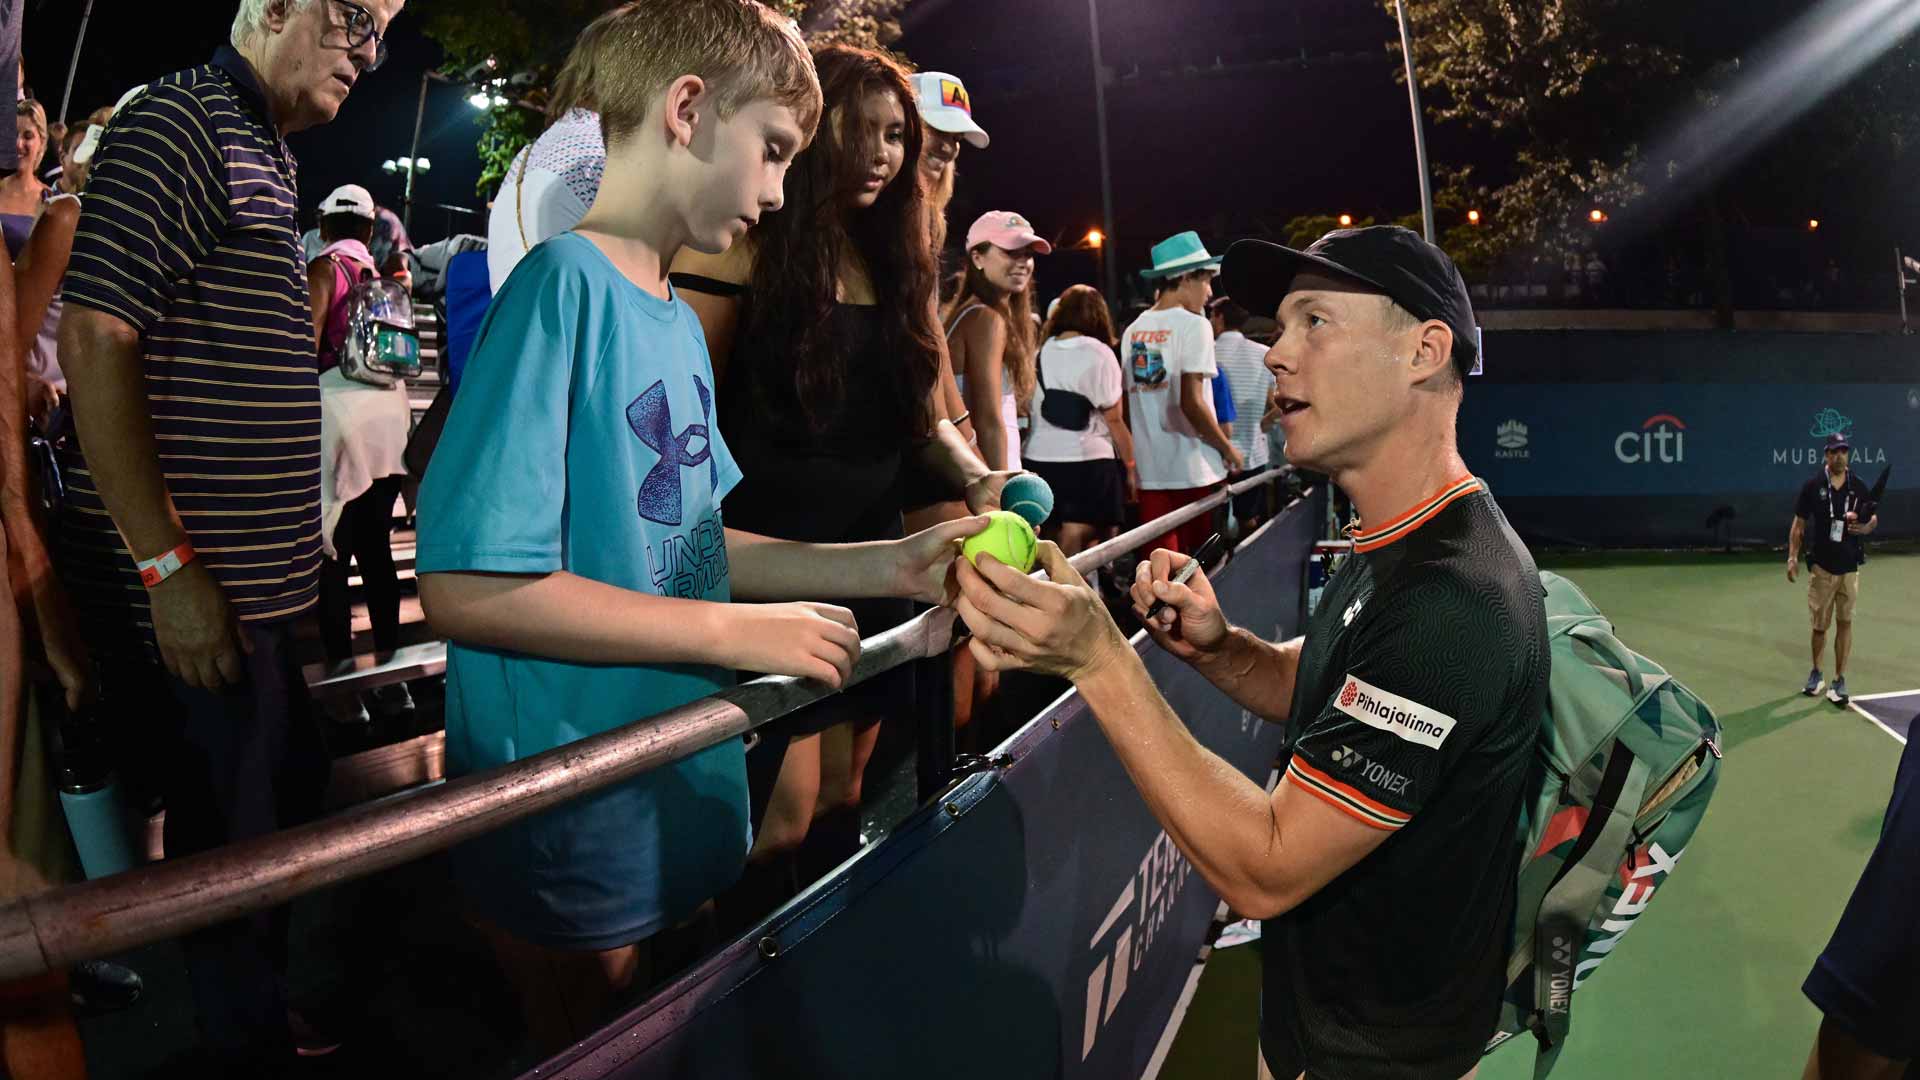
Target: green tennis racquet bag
(1627, 760)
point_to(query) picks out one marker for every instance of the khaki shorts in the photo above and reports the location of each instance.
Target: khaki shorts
(1830, 596)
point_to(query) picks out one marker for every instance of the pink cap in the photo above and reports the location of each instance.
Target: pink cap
(1006, 229)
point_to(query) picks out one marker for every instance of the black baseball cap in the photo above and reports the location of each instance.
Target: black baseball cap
(1387, 258)
(1837, 441)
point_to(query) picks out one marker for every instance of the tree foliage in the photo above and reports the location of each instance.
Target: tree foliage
(525, 41)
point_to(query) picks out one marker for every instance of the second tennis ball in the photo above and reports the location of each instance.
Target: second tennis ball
(1007, 538)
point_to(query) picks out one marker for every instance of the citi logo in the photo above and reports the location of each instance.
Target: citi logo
(1511, 437)
(1662, 438)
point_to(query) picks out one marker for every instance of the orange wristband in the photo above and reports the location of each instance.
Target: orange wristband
(156, 570)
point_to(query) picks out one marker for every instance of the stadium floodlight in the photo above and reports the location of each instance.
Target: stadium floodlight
(480, 100)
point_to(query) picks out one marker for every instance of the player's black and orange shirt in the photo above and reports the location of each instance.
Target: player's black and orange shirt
(1415, 712)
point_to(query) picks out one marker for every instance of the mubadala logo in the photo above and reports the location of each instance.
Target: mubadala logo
(1351, 760)
(1828, 422)
(1392, 713)
(1662, 438)
(1511, 437)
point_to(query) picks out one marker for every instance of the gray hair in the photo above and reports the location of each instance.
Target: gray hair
(252, 17)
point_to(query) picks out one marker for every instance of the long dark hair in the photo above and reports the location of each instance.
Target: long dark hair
(799, 249)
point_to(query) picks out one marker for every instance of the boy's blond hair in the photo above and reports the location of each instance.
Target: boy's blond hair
(742, 49)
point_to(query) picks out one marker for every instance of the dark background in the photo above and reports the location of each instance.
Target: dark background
(1228, 116)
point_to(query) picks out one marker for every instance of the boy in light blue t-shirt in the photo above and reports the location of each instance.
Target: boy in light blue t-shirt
(571, 542)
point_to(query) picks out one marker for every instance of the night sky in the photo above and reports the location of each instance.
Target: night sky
(1229, 116)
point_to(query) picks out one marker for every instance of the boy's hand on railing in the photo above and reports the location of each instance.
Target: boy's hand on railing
(810, 641)
(921, 566)
(1191, 625)
(1056, 627)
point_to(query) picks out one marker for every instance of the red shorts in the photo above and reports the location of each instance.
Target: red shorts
(1187, 538)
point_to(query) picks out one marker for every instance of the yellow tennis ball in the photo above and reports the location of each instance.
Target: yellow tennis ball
(1007, 538)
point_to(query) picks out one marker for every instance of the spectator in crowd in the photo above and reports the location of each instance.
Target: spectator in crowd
(191, 540)
(946, 113)
(551, 182)
(571, 614)
(391, 248)
(828, 386)
(363, 435)
(38, 1036)
(23, 195)
(1180, 452)
(946, 109)
(1244, 363)
(990, 331)
(39, 269)
(1831, 519)
(1081, 445)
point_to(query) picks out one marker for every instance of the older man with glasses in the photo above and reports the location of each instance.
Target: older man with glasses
(191, 538)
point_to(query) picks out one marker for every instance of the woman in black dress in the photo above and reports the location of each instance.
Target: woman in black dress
(824, 341)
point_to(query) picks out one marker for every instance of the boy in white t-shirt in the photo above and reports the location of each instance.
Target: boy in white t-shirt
(1181, 452)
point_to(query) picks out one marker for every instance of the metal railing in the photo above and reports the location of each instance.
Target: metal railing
(55, 929)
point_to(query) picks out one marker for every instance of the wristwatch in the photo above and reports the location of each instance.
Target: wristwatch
(156, 570)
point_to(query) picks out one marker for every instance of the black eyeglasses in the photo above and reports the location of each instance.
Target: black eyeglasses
(360, 30)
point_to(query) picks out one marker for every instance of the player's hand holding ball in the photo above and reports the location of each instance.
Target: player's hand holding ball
(1191, 626)
(1056, 627)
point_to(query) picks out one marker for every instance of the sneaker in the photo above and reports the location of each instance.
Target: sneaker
(1813, 684)
(389, 701)
(1837, 692)
(99, 987)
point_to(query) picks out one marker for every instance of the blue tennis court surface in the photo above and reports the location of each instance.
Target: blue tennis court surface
(1895, 712)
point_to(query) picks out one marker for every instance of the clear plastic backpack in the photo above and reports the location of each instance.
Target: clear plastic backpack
(382, 347)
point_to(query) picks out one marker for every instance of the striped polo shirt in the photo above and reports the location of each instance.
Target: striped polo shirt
(188, 234)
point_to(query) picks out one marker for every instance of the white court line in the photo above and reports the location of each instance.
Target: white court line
(1888, 694)
(1877, 722)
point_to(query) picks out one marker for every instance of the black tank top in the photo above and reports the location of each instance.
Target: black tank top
(839, 482)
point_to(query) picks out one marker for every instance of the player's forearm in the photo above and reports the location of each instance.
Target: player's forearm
(1220, 820)
(1257, 674)
(562, 616)
(1795, 536)
(101, 358)
(763, 568)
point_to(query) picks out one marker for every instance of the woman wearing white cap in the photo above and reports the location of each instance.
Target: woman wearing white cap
(990, 331)
(363, 439)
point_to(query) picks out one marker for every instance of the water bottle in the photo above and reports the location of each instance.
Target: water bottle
(89, 792)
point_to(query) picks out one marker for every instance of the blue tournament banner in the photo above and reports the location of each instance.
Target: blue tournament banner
(1037, 923)
(1607, 439)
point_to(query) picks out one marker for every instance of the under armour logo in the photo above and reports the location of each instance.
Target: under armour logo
(651, 418)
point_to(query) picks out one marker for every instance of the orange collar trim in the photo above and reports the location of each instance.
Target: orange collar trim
(1406, 523)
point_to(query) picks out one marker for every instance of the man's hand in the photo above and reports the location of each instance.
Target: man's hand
(810, 641)
(921, 566)
(200, 640)
(1056, 627)
(1793, 569)
(42, 398)
(984, 493)
(1191, 625)
(1236, 461)
(1865, 528)
(66, 652)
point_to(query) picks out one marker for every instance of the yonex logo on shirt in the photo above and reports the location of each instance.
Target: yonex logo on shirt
(1394, 714)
